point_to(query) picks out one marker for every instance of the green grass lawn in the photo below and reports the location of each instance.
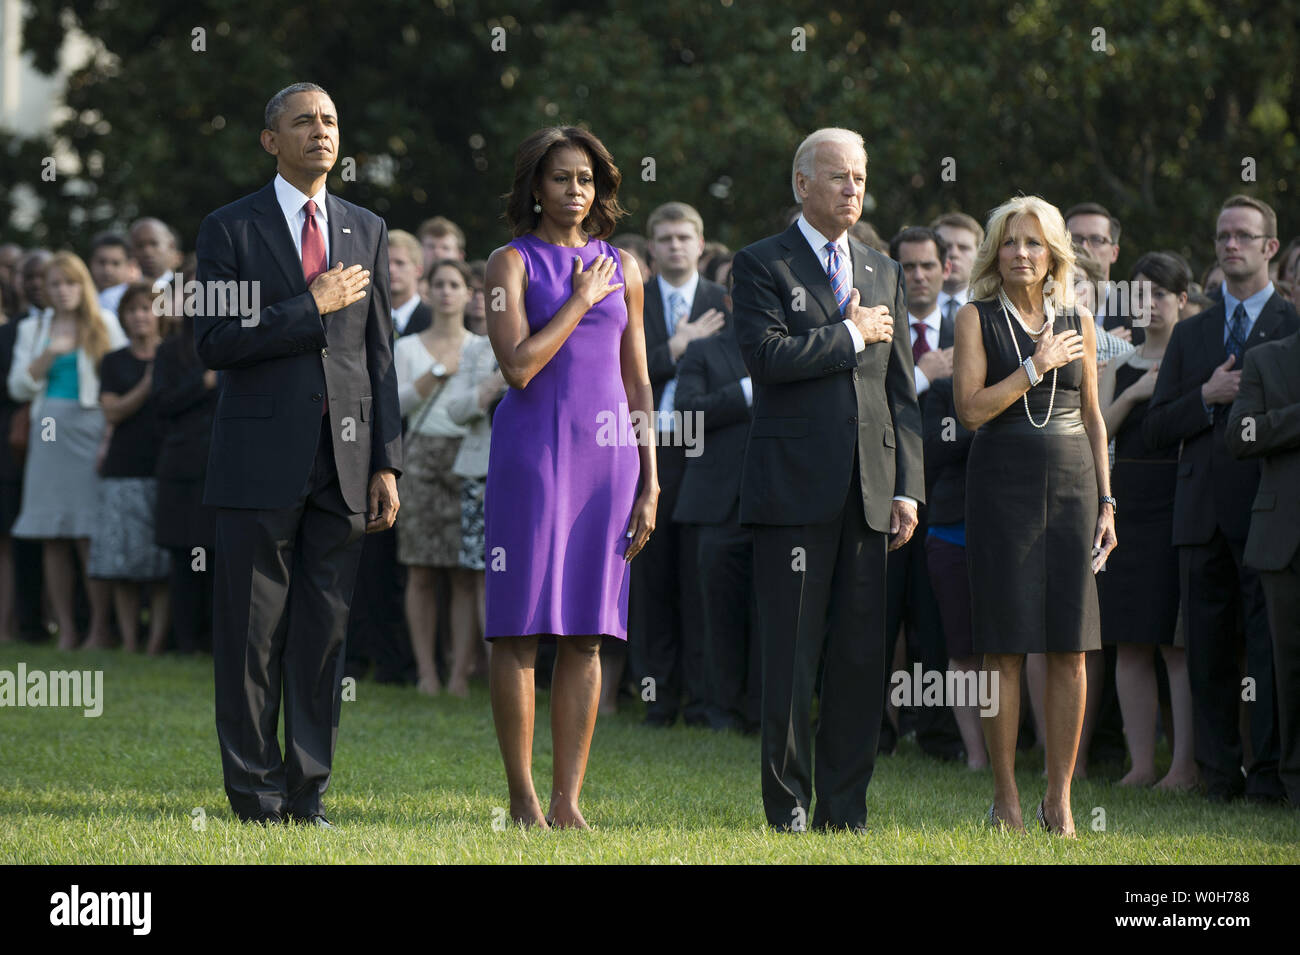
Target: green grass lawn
(417, 780)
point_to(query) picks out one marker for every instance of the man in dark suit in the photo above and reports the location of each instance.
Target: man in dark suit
(714, 385)
(922, 254)
(377, 631)
(1265, 424)
(1199, 379)
(832, 466)
(664, 601)
(305, 454)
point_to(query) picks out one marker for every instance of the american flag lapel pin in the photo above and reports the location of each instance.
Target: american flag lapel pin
(867, 267)
(347, 231)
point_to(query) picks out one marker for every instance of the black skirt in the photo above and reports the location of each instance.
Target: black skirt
(1031, 513)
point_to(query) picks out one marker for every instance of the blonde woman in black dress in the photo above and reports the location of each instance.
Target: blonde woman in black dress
(1039, 514)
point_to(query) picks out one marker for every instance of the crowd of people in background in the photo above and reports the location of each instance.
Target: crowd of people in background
(107, 410)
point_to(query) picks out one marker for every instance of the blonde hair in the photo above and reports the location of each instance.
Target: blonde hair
(409, 244)
(986, 280)
(92, 333)
(805, 157)
(674, 212)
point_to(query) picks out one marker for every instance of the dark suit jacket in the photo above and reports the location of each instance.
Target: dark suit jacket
(708, 382)
(185, 410)
(946, 336)
(277, 370)
(1270, 396)
(945, 460)
(658, 358)
(1214, 490)
(420, 319)
(815, 399)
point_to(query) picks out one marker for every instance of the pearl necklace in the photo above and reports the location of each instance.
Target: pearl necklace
(1049, 316)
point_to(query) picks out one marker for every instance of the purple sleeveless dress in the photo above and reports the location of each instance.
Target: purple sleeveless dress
(563, 469)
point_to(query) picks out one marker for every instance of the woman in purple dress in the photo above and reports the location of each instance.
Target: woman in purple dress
(571, 493)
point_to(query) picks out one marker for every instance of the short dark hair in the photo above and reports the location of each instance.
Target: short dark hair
(919, 233)
(137, 290)
(278, 103)
(466, 273)
(960, 220)
(1164, 270)
(105, 239)
(530, 160)
(1094, 209)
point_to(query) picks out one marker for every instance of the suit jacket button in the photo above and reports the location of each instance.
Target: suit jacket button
(855, 374)
(853, 419)
(324, 352)
(316, 397)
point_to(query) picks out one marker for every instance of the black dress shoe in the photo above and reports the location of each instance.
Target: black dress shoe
(263, 819)
(1222, 795)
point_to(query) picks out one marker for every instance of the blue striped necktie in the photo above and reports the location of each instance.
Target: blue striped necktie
(1237, 335)
(838, 273)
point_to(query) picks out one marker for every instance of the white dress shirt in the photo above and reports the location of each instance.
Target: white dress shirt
(402, 313)
(111, 297)
(933, 321)
(818, 243)
(961, 298)
(294, 206)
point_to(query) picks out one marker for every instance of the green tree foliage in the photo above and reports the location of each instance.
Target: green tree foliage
(1157, 118)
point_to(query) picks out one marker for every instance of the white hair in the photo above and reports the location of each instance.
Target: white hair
(805, 157)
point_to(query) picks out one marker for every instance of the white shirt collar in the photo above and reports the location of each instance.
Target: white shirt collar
(934, 320)
(818, 241)
(961, 297)
(402, 314)
(686, 290)
(292, 201)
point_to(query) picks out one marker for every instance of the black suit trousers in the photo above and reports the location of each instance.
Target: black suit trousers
(664, 605)
(1222, 600)
(821, 595)
(283, 584)
(726, 562)
(912, 604)
(1282, 590)
(377, 631)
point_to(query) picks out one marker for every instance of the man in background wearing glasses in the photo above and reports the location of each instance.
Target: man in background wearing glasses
(1223, 602)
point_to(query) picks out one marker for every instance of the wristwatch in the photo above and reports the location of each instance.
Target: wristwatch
(1032, 371)
(1114, 505)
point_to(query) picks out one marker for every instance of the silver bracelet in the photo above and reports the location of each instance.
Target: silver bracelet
(1031, 371)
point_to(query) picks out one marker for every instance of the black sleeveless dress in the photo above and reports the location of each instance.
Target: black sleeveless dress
(1139, 590)
(1031, 508)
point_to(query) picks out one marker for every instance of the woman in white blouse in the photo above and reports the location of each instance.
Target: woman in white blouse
(55, 367)
(429, 534)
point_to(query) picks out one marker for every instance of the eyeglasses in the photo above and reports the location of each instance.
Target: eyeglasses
(1242, 237)
(1091, 239)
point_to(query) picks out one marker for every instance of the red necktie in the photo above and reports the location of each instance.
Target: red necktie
(920, 346)
(313, 264)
